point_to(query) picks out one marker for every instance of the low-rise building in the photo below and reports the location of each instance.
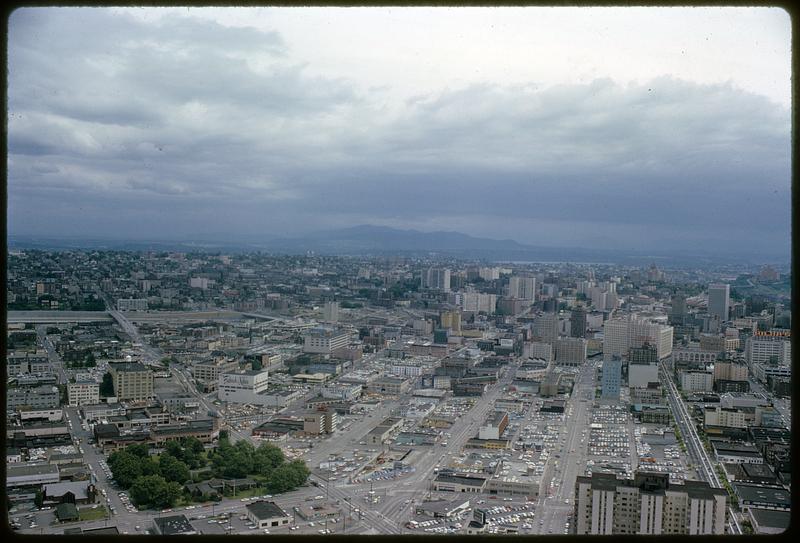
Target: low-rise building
(83, 393)
(769, 521)
(736, 453)
(447, 509)
(266, 514)
(31, 475)
(381, 432)
(762, 496)
(39, 397)
(173, 525)
(451, 482)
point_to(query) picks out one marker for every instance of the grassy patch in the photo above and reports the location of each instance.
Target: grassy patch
(93, 514)
(258, 491)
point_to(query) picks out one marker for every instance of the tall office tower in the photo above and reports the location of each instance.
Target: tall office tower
(599, 298)
(677, 314)
(719, 300)
(436, 278)
(648, 504)
(523, 288)
(577, 325)
(545, 328)
(612, 379)
(330, 312)
(570, 351)
(616, 333)
(658, 335)
(768, 348)
(619, 335)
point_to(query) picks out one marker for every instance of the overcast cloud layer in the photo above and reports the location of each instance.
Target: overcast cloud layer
(169, 123)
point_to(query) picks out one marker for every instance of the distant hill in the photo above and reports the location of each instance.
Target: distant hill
(369, 238)
(366, 240)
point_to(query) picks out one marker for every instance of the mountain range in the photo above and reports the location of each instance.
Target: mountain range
(364, 240)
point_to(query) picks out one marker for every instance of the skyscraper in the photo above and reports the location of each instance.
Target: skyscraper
(523, 288)
(330, 312)
(677, 314)
(719, 300)
(436, 278)
(612, 379)
(577, 325)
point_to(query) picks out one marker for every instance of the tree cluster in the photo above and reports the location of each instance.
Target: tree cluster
(156, 482)
(243, 459)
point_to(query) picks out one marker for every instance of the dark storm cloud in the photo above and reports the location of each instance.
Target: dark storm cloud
(186, 126)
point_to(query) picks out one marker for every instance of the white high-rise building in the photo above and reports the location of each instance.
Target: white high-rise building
(523, 288)
(761, 348)
(436, 278)
(616, 333)
(330, 312)
(478, 301)
(647, 504)
(619, 335)
(719, 300)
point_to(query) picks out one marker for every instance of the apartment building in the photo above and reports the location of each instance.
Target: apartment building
(647, 504)
(730, 371)
(133, 381)
(724, 416)
(209, 371)
(697, 381)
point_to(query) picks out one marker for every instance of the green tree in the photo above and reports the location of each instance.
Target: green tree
(173, 448)
(154, 491)
(280, 480)
(193, 444)
(140, 450)
(266, 458)
(301, 472)
(125, 467)
(150, 466)
(173, 469)
(287, 477)
(38, 499)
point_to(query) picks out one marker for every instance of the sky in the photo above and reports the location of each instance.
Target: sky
(611, 128)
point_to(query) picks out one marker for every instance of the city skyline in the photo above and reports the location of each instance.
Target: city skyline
(607, 128)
